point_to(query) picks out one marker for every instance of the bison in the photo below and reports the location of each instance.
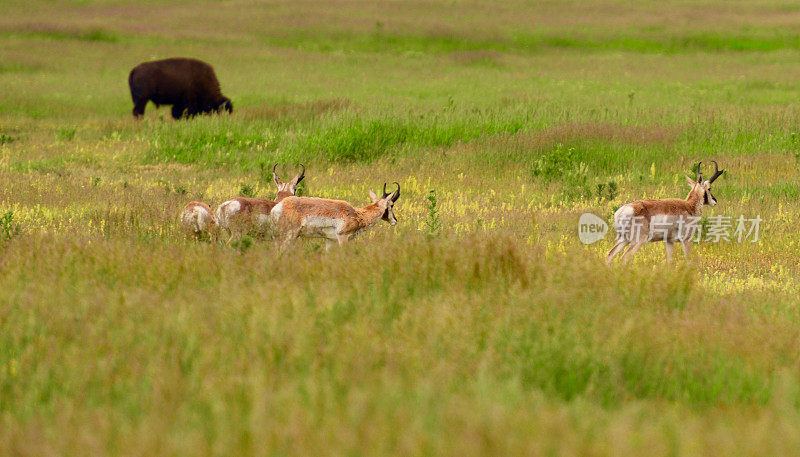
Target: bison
(189, 85)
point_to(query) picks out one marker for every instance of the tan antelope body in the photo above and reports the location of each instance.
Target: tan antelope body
(335, 220)
(243, 214)
(669, 220)
(197, 220)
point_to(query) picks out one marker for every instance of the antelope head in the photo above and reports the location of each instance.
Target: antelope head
(286, 189)
(704, 186)
(386, 203)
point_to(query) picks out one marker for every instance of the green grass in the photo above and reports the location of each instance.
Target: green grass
(479, 325)
(527, 42)
(81, 35)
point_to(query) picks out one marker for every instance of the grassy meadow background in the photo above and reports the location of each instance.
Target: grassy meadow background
(497, 333)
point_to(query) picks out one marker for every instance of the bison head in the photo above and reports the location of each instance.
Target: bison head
(225, 105)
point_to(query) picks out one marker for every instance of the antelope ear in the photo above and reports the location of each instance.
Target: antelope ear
(372, 196)
(691, 181)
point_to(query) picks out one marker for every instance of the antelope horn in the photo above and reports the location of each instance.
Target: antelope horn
(300, 175)
(275, 175)
(385, 194)
(396, 193)
(717, 172)
(699, 175)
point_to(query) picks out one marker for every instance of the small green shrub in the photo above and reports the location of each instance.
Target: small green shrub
(793, 145)
(607, 191)
(433, 224)
(247, 190)
(243, 244)
(67, 133)
(557, 162)
(8, 228)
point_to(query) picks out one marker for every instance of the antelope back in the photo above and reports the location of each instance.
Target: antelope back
(294, 210)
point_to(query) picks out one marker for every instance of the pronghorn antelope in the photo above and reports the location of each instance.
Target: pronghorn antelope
(668, 220)
(334, 220)
(241, 214)
(197, 220)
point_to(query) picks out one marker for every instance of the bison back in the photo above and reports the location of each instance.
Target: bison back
(175, 81)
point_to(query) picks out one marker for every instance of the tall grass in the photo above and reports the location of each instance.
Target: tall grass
(524, 41)
(524, 322)
(344, 139)
(479, 325)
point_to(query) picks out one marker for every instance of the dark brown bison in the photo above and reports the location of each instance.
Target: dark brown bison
(189, 85)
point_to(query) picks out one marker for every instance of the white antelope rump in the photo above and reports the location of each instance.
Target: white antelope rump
(669, 220)
(335, 220)
(244, 214)
(197, 220)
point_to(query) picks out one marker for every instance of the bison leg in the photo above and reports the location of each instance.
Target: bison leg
(138, 108)
(177, 111)
(193, 111)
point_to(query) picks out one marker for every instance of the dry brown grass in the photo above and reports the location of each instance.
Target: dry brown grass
(297, 111)
(501, 336)
(477, 57)
(603, 131)
(430, 19)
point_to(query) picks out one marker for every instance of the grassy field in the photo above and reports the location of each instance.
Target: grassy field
(479, 325)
